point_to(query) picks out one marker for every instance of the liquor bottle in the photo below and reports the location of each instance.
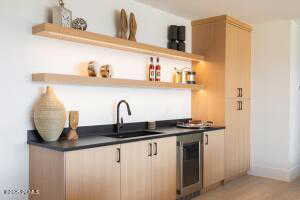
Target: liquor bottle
(157, 70)
(151, 70)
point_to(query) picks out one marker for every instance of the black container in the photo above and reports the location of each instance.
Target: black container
(173, 45)
(173, 32)
(181, 33)
(181, 46)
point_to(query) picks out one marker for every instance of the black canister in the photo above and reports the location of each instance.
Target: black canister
(181, 33)
(173, 32)
(181, 46)
(173, 44)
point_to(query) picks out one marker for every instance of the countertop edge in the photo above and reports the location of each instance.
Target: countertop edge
(76, 148)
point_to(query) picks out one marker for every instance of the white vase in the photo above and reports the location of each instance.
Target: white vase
(49, 116)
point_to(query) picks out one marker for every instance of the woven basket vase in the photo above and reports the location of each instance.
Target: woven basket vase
(49, 116)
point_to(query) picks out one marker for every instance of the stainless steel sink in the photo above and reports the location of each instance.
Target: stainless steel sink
(134, 134)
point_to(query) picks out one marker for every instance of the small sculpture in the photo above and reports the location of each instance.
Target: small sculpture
(123, 25)
(93, 69)
(73, 122)
(61, 15)
(133, 27)
(79, 24)
(105, 71)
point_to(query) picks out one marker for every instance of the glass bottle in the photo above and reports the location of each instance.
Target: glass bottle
(157, 70)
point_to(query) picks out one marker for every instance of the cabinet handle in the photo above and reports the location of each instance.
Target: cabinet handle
(155, 149)
(239, 105)
(240, 92)
(206, 136)
(118, 155)
(150, 149)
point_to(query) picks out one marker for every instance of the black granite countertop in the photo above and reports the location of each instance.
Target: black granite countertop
(95, 140)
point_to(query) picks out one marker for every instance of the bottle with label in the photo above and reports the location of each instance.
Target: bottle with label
(157, 70)
(151, 70)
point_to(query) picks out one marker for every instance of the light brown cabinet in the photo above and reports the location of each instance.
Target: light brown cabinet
(213, 158)
(237, 140)
(237, 62)
(148, 170)
(164, 169)
(132, 171)
(136, 171)
(226, 73)
(93, 174)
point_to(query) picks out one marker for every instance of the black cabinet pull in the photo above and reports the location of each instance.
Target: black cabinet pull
(150, 150)
(118, 155)
(240, 92)
(206, 136)
(155, 149)
(239, 105)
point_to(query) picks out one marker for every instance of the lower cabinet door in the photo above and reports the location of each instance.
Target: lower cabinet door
(93, 174)
(136, 170)
(164, 169)
(237, 137)
(214, 158)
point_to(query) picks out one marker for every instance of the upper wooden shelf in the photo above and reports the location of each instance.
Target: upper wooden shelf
(69, 34)
(94, 81)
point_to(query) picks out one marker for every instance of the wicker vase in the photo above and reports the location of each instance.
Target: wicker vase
(49, 116)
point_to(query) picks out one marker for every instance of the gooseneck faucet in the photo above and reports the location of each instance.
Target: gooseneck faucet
(119, 124)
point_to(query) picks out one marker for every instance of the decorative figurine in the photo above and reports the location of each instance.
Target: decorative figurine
(61, 15)
(79, 24)
(133, 27)
(73, 122)
(105, 71)
(93, 69)
(123, 25)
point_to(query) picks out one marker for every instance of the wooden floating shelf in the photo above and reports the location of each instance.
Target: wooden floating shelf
(93, 81)
(96, 39)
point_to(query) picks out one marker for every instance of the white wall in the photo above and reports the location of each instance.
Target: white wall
(275, 139)
(295, 101)
(270, 98)
(23, 54)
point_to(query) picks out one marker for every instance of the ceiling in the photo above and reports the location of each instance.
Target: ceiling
(251, 11)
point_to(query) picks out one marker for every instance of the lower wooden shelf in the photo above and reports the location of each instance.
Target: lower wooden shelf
(94, 81)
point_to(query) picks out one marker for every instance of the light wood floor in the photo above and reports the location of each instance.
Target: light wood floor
(254, 188)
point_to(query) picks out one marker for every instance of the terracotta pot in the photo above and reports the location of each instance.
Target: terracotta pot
(49, 116)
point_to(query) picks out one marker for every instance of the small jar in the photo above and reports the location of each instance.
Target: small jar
(191, 77)
(177, 77)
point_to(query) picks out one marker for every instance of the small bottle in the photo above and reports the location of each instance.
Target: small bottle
(151, 70)
(157, 70)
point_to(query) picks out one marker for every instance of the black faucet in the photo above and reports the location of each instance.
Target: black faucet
(120, 125)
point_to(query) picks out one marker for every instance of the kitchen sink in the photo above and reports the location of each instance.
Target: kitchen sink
(134, 134)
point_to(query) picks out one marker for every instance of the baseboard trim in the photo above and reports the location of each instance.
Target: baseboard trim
(294, 173)
(273, 173)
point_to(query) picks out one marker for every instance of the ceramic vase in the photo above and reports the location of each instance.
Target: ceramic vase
(49, 116)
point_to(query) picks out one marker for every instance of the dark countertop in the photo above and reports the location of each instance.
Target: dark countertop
(99, 141)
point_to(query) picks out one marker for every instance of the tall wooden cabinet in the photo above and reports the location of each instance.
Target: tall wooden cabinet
(226, 73)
